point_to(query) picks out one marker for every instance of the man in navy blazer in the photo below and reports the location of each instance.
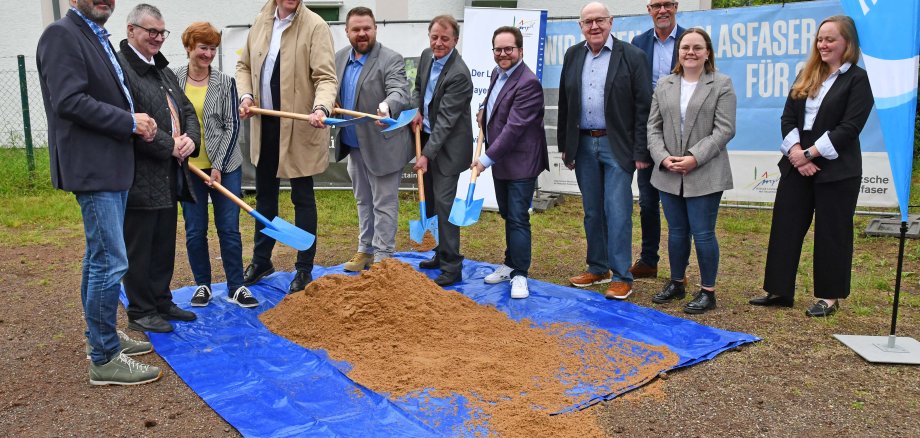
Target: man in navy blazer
(604, 100)
(660, 46)
(90, 125)
(512, 116)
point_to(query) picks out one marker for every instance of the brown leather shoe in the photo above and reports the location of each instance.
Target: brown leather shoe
(586, 279)
(642, 270)
(619, 290)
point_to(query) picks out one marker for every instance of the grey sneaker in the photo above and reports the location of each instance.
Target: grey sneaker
(202, 296)
(243, 297)
(122, 370)
(129, 347)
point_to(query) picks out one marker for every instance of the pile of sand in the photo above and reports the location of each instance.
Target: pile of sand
(402, 333)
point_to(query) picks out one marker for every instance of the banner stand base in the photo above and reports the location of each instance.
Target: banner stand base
(891, 226)
(884, 349)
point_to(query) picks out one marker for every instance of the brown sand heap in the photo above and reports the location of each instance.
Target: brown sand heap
(403, 333)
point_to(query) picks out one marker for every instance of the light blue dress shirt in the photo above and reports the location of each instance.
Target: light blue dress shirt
(437, 65)
(663, 56)
(593, 78)
(348, 92)
(103, 36)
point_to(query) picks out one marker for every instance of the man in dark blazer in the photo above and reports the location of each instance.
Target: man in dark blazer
(512, 115)
(660, 46)
(444, 91)
(604, 99)
(91, 121)
(372, 79)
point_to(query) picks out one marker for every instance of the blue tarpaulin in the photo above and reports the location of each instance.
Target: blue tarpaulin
(265, 385)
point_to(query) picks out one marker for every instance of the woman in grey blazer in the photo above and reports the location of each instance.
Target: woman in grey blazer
(691, 121)
(213, 94)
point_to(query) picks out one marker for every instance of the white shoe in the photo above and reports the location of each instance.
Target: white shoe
(519, 287)
(501, 273)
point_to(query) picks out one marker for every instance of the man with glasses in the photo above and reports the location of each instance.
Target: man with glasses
(604, 99)
(444, 91)
(512, 119)
(91, 122)
(659, 45)
(161, 176)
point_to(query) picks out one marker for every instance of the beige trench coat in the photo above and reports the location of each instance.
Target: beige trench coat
(307, 80)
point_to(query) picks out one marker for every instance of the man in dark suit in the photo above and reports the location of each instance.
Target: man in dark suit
(604, 99)
(660, 46)
(444, 90)
(515, 149)
(372, 78)
(91, 121)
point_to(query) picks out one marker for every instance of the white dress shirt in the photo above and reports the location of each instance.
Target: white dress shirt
(274, 48)
(812, 104)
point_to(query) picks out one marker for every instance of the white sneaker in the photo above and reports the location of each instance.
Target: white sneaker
(501, 273)
(519, 287)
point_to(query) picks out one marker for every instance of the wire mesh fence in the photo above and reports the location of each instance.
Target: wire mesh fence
(12, 132)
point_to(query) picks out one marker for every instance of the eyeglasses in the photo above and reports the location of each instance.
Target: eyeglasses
(591, 22)
(507, 50)
(153, 33)
(665, 5)
(696, 49)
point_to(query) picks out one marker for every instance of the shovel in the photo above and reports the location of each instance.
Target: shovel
(417, 228)
(404, 117)
(277, 228)
(306, 117)
(466, 211)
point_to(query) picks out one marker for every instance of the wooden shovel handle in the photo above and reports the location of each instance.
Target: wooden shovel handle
(356, 113)
(223, 190)
(418, 154)
(285, 114)
(478, 153)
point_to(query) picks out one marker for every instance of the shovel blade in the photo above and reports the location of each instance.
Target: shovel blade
(404, 119)
(344, 122)
(463, 214)
(289, 234)
(416, 231)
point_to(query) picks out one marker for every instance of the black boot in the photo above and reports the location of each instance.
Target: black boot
(703, 301)
(674, 290)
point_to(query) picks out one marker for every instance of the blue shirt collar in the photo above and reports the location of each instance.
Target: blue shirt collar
(96, 28)
(443, 60)
(351, 57)
(671, 35)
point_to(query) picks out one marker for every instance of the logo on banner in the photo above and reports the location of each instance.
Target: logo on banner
(764, 182)
(525, 26)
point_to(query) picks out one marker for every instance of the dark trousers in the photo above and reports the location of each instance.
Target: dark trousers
(514, 198)
(440, 192)
(267, 187)
(150, 239)
(649, 216)
(832, 204)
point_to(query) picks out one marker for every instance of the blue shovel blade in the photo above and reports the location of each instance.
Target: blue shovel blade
(463, 214)
(344, 122)
(404, 119)
(289, 234)
(417, 228)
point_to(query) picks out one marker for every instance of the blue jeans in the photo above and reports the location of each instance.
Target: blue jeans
(649, 216)
(104, 264)
(606, 194)
(514, 198)
(694, 216)
(227, 221)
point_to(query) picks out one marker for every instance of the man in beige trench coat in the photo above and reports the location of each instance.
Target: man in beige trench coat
(287, 64)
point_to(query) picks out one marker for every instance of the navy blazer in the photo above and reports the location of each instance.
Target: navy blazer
(646, 42)
(516, 137)
(842, 114)
(627, 98)
(89, 118)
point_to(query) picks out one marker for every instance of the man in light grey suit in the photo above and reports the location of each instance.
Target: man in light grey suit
(372, 78)
(444, 91)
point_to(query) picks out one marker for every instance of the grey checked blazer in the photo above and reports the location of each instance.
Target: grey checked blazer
(708, 127)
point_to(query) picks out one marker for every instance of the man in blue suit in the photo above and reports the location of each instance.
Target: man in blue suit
(91, 121)
(512, 117)
(660, 46)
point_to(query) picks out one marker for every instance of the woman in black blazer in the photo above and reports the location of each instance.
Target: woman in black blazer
(821, 170)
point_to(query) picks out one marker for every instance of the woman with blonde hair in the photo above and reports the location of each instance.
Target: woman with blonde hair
(213, 94)
(821, 171)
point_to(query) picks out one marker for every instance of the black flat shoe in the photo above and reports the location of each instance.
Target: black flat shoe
(446, 279)
(772, 301)
(432, 263)
(821, 309)
(174, 313)
(703, 302)
(674, 290)
(255, 272)
(150, 323)
(300, 281)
